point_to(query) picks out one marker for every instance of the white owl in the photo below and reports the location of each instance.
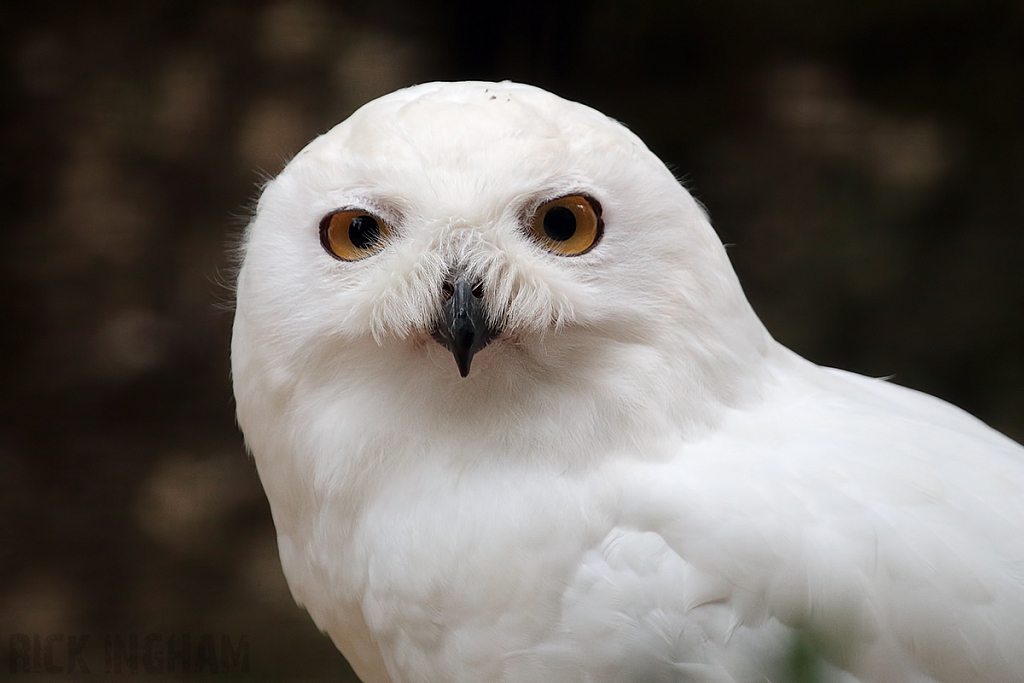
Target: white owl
(622, 476)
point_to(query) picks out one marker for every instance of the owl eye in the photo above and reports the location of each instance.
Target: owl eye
(568, 226)
(350, 235)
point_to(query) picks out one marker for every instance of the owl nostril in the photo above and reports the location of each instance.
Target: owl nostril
(448, 290)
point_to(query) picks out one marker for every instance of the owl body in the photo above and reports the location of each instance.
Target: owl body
(634, 481)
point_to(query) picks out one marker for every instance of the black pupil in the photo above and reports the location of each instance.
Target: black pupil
(364, 232)
(559, 223)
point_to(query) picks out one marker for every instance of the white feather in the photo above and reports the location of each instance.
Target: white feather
(635, 482)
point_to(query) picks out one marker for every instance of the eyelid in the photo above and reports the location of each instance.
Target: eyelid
(392, 211)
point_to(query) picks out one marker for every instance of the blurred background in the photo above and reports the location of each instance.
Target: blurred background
(863, 159)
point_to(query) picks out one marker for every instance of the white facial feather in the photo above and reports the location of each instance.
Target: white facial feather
(458, 171)
(634, 482)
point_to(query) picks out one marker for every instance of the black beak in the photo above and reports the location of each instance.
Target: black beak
(462, 327)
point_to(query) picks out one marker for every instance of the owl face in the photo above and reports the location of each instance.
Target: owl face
(496, 225)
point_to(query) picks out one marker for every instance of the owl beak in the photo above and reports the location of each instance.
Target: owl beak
(462, 327)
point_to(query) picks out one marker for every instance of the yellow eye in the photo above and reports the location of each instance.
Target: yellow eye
(568, 226)
(350, 235)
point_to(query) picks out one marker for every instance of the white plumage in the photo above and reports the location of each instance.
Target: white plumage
(634, 482)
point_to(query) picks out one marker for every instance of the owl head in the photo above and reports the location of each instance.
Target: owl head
(488, 246)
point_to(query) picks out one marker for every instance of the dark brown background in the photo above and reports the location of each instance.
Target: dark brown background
(864, 160)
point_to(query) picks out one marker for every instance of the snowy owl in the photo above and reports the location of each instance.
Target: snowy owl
(517, 422)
